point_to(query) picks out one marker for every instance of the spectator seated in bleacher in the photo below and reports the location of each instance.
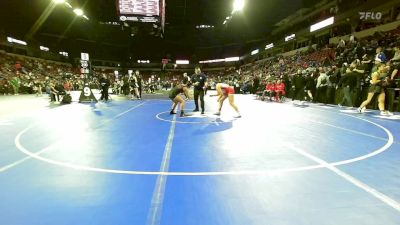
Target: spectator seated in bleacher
(269, 92)
(279, 90)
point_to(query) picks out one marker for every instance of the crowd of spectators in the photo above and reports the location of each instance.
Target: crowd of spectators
(20, 74)
(317, 75)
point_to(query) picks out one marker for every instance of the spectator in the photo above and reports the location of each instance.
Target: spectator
(280, 90)
(298, 85)
(396, 62)
(256, 83)
(310, 87)
(347, 84)
(322, 86)
(104, 84)
(269, 91)
(54, 93)
(67, 86)
(15, 83)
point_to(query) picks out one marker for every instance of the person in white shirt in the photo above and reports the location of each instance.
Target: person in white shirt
(322, 86)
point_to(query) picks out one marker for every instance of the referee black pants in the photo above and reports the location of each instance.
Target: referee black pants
(199, 93)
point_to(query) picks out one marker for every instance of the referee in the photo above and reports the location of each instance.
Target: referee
(199, 81)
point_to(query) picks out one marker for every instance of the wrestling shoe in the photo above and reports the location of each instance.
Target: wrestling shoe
(386, 113)
(361, 110)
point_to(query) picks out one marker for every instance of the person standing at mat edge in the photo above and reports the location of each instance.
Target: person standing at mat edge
(105, 84)
(199, 81)
(186, 79)
(139, 82)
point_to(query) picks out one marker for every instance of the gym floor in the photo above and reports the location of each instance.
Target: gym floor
(130, 162)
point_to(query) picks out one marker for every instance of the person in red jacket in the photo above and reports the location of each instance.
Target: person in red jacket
(269, 90)
(280, 90)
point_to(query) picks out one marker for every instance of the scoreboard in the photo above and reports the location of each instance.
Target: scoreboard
(150, 11)
(139, 7)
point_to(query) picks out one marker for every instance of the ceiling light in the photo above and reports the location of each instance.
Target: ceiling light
(13, 40)
(269, 46)
(46, 49)
(255, 52)
(238, 5)
(213, 61)
(290, 37)
(64, 54)
(78, 12)
(182, 62)
(58, 1)
(232, 59)
(322, 24)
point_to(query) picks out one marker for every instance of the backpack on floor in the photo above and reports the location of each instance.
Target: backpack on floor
(67, 99)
